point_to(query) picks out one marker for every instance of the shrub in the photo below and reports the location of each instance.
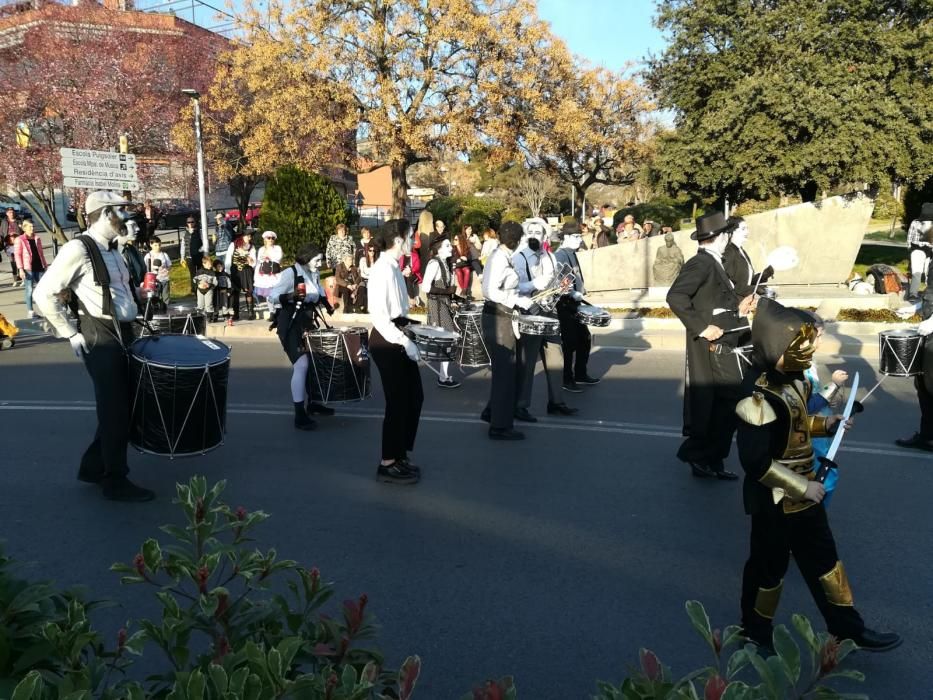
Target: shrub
(515, 214)
(456, 212)
(886, 207)
(301, 207)
(780, 676)
(237, 623)
(447, 209)
(662, 212)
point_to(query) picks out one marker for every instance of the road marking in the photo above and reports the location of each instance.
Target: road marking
(594, 426)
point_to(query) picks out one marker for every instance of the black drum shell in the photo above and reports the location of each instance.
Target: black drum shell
(177, 320)
(471, 348)
(178, 408)
(338, 370)
(900, 353)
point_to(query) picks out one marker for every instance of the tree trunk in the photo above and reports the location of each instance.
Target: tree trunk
(399, 189)
(579, 199)
(808, 192)
(241, 188)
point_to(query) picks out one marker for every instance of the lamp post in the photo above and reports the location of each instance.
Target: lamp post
(202, 199)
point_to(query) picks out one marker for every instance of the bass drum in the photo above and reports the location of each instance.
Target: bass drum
(178, 319)
(339, 366)
(179, 399)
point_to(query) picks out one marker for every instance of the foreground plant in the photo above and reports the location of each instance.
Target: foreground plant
(781, 676)
(236, 623)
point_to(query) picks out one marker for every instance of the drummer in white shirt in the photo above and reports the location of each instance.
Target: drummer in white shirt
(395, 355)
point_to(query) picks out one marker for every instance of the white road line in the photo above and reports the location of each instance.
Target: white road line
(595, 426)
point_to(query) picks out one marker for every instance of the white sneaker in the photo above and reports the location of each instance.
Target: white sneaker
(32, 314)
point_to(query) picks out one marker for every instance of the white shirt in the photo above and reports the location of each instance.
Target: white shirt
(431, 272)
(72, 269)
(500, 281)
(535, 270)
(387, 298)
(161, 270)
(286, 285)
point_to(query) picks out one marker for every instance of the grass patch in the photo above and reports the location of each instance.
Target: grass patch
(181, 283)
(869, 255)
(874, 316)
(900, 236)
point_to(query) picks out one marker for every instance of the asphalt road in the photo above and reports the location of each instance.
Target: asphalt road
(552, 560)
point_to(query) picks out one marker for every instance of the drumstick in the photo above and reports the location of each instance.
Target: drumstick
(883, 377)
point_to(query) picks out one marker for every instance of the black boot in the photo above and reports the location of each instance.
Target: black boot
(302, 420)
(320, 409)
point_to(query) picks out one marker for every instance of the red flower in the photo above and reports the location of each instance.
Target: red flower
(222, 649)
(241, 513)
(121, 639)
(199, 511)
(140, 564)
(315, 577)
(408, 677)
(829, 656)
(715, 687)
(650, 664)
(203, 574)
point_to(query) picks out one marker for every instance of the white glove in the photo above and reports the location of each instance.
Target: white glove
(577, 296)
(411, 350)
(926, 327)
(524, 303)
(78, 344)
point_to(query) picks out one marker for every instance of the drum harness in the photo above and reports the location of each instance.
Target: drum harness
(102, 280)
(299, 303)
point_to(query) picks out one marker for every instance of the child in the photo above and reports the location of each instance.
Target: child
(205, 281)
(222, 292)
(158, 262)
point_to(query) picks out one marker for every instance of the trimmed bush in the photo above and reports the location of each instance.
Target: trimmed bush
(661, 212)
(301, 207)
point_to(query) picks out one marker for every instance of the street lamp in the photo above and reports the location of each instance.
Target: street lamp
(196, 97)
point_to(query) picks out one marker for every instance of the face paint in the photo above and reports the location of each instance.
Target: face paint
(316, 262)
(740, 235)
(445, 250)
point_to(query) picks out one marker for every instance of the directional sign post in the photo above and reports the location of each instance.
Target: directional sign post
(99, 170)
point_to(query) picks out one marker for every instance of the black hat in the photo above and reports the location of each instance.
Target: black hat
(710, 225)
(775, 328)
(308, 252)
(436, 239)
(571, 228)
(926, 212)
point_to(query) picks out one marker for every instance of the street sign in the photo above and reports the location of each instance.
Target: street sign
(90, 183)
(106, 170)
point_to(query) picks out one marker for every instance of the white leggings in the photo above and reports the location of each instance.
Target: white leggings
(918, 262)
(299, 376)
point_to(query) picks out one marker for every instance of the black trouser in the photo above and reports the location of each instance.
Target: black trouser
(713, 444)
(806, 535)
(575, 339)
(497, 332)
(926, 407)
(529, 349)
(106, 362)
(401, 384)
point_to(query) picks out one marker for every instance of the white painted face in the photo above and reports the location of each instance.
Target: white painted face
(445, 250)
(740, 235)
(573, 242)
(316, 262)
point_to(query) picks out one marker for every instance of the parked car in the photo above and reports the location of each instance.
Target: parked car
(175, 212)
(252, 213)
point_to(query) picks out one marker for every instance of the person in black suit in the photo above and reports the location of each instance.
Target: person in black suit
(738, 265)
(706, 302)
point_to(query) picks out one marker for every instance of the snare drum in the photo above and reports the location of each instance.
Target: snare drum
(339, 366)
(178, 319)
(537, 325)
(471, 348)
(179, 404)
(595, 316)
(899, 353)
(434, 343)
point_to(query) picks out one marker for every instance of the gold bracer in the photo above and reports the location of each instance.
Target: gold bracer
(767, 599)
(836, 586)
(791, 483)
(818, 426)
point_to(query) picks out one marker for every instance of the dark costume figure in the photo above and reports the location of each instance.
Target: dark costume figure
(706, 303)
(781, 491)
(737, 263)
(239, 261)
(923, 439)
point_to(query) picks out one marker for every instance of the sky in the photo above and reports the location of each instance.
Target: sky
(610, 33)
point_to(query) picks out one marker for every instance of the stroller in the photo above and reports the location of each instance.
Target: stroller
(7, 331)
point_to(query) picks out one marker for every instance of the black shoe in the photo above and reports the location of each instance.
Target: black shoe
(396, 473)
(561, 409)
(122, 489)
(702, 471)
(505, 434)
(915, 441)
(722, 473)
(408, 465)
(449, 383)
(302, 420)
(319, 409)
(522, 414)
(586, 379)
(764, 645)
(572, 387)
(90, 477)
(486, 415)
(869, 640)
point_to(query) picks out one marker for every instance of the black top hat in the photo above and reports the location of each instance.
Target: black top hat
(436, 239)
(926, 212)
(710, 225)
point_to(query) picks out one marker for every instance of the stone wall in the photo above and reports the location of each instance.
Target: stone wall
(826, 234)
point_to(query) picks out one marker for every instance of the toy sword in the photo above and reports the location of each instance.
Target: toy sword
(826, 462)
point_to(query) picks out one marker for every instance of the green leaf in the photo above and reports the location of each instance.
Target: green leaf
(30, 688)
(218, 678)
(253, 688)
(275, 664)
(737, 662)
(805, 630)
(700, 621)
(288, 647)
(238, 680)
(348, 678)
(26, 600)
(849, 673)
(152, 554)
(846, 647)
(196, 685)
(788, 651)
